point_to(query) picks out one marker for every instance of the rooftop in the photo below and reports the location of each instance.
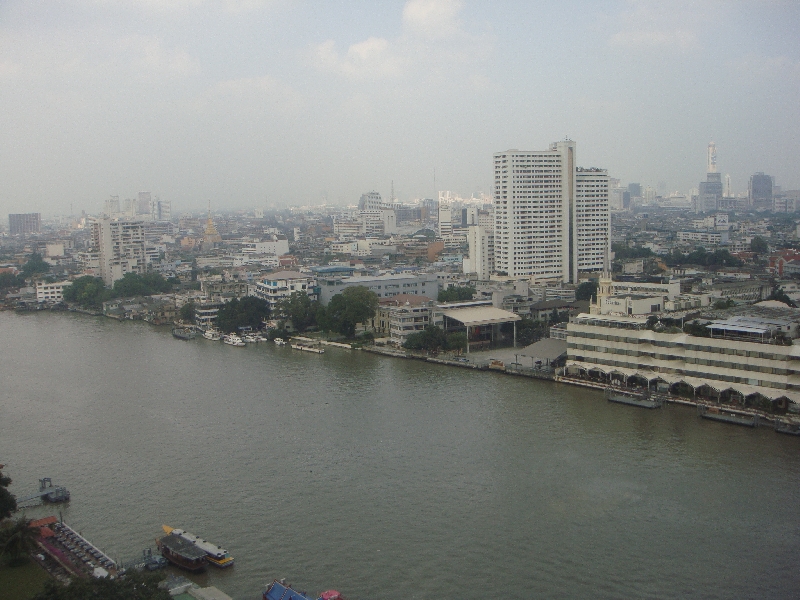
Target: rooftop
(481, 315)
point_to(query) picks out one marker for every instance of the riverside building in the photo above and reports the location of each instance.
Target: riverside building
(745, 361)
(551, 218)
(120, 246)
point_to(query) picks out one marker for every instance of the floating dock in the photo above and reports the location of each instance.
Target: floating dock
(732, 418)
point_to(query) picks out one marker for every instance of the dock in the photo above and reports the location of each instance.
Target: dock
(712, 413)
(47, 492)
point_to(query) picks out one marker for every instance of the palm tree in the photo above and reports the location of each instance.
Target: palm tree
(17, 539)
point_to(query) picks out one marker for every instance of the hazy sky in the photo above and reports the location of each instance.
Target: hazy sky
(253, 103)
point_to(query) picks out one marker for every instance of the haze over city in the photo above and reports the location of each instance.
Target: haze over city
(282, 103)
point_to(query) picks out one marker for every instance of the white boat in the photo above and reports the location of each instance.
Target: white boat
(308, 348)
(212, 334)
(279, 342)
(250, 338)
(233, 340)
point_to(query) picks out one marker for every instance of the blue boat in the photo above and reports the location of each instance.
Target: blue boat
(280, 590)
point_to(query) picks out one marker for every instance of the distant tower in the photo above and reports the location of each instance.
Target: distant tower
(728, 189)
(211, 236)
(712, 158)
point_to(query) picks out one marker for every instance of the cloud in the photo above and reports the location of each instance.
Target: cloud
(372, 57)
(434, 19)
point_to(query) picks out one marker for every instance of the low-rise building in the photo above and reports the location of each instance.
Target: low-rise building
(384, 286)
(400, 316)
(50, 292)
(276, 286)
(738, 364)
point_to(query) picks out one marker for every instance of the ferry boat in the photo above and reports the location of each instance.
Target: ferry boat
(182, 553)
(216, 555)
(233, 340)
(280, 342)
(212, 334)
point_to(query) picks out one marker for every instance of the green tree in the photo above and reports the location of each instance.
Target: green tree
(299, 309)
(34, 266)
(457, 341)
(17, 539)
(456, 293)
(431, 339)
(134, 586)
(133, 284)
(759, 245)
(8, 504)
(346, 310)
(8, 281)
(243, 312)
(87, 291)
(625, 252)
(781, 296)
(586, 290)
(529, 331)
(186, 313)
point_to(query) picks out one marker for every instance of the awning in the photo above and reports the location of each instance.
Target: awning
(481, 315)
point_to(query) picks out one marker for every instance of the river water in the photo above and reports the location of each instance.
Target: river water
(390, 478)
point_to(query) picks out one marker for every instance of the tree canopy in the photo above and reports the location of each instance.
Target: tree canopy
(759, 245)
(134, 586)
(35, 265)
(346, 310)
(700, 256)
(625, 252)
(586, 290)
(88, 291)
(17, 539)
(433, 339)
(133, 284)
(456, 293)
(299, 309)
(242, 312)
(186, 313)
(8, 504)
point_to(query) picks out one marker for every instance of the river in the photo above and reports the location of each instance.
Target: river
(390, 478)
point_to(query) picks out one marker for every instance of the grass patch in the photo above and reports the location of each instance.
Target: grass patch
(22, 582)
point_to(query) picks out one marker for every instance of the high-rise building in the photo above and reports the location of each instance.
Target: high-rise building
(143, 203)
(551, 217)
(160, 210)
(445, 220)
(635, 190)
(112, 207)
(21, 224)
(760, 191)
(120, 246)
(481, 252)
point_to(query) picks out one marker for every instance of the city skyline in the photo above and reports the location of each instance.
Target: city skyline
(275, 103)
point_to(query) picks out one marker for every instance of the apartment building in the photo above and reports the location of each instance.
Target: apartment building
(551, 218)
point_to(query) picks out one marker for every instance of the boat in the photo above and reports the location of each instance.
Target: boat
(215, 555)
(250, 338)
(632, 399)
(712, 413)
(233, 340)
(280, 590)
(308, 348)
(788, 428)
(279, 342)
(182, 553)
(183, 333)
(212, 334)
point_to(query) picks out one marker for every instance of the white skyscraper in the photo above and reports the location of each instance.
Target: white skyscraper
(120, 246)
(445, 220)
(551, 218)
(481, 252)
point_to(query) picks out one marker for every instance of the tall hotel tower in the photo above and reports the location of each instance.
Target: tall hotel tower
(551, 217)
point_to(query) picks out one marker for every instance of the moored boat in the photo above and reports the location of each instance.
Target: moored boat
(182, 553)
(279, 342)
(212, 334)
(233, 340)
(280, 590)
(308, 348)
(183, 333)
(215, 555)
